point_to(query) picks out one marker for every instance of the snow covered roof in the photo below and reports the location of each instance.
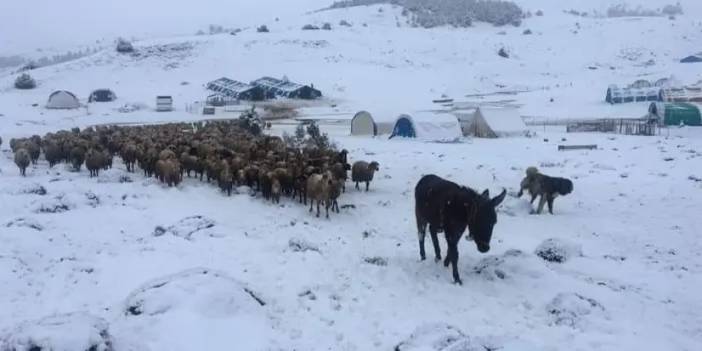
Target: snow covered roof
(229, 87)
(503, 121)
(286, 88)
(432, 126)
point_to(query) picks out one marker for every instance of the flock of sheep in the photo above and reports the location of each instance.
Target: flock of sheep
(217, 151)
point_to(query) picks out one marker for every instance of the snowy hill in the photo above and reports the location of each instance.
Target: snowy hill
(569, 59)
(121, 262)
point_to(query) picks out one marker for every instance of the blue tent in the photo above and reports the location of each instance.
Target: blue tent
(404, 127)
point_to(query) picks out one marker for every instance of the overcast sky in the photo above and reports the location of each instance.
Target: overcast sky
(29, 24)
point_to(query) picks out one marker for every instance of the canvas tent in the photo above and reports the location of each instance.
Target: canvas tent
(493, 122)
(427, 126)
(102, 95)
(363, 123)
(62, 99)
(673, 114)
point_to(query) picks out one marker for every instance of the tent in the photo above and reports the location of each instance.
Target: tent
(102, 95)
(692, 58)
(427, 126)
(674, 114)
(493, 122)
(363, 123)
(62, 99)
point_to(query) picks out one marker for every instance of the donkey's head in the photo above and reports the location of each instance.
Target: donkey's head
(482, 218)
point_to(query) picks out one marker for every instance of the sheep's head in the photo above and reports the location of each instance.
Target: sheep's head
(374, 166)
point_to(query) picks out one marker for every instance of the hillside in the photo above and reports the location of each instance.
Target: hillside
(400, 70)
(122, 261)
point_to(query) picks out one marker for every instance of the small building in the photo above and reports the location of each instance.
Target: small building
(102, 95)
(674, 114)
(363, 123)
(493, 122)
(427, 126)
(284, 88)
(62, 99)
(164, 103)
(237, 90)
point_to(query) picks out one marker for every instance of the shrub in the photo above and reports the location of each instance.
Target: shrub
(310, 27)
(25, 81)
(327, 26)
(124, 46)
(251, 122)
(344, 23)
(263, 29)
(539, 13)
(503, 53)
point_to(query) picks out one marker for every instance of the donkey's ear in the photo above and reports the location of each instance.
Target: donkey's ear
(486, 194)
(498, 200)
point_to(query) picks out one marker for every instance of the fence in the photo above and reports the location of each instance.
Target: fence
(617, 126)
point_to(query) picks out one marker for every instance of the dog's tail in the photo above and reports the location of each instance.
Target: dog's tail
(564, 186)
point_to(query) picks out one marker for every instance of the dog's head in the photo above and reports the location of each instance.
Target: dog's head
(532, 171)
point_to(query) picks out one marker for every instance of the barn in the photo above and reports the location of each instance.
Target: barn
(62, 99)
(427, 126)
(363, 123)
(102, 95)
(237, 90)
(674, 114)
(284, 88)
(493, 122)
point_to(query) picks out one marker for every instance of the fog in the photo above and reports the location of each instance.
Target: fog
(49, 24)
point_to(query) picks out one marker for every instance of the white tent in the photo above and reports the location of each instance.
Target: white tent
(363, 123)
(62, 99)
(493, 122)
(428, 126)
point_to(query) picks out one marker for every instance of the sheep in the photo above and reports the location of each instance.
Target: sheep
(107, 160)
(339, 170)
(335, 191)
(22, 160)
(129, 156)
(300, 188)
(226, 179)
(266, 182)
(318, 190)
(77, 157)
(168, 172)
(276, 189)
(363, 172)
(94, 160)
(190, 163)
(34, 150)
(52, 153)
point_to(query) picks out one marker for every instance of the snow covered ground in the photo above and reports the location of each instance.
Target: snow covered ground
(122, 262)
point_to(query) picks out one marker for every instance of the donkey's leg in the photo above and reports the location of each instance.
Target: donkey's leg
(542, 202)
(435, 242)
(421, 234)
(453, 251)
